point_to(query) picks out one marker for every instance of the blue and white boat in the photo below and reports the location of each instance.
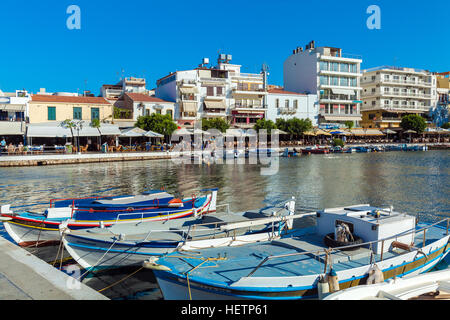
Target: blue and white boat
(129, 244)
(345, 247)
(35, 228)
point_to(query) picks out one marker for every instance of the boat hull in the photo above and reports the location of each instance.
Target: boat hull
(176, 286)
(32, 229)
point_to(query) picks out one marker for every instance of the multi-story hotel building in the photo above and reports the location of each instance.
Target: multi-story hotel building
(209, 92)
(332, 75)
(392, 92)
(440, 112)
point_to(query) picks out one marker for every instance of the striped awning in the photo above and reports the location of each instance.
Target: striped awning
(189, 107)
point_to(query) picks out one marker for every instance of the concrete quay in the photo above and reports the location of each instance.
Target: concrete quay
(25, 277)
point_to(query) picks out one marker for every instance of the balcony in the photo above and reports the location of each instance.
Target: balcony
(397, 94)
(287, 110)
(339, 98)
(238, 106)
(390, 81)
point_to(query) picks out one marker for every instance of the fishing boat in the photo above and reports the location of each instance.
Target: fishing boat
(315, 150)
(42, 227)
(129, 244)
(343, 249)
(433, 285)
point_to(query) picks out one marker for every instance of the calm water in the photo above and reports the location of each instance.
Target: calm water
(413, 182)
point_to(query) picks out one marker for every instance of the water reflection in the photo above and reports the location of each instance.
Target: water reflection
(413, 182)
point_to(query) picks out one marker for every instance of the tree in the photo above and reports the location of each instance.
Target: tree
(446, 125)
(337, 142)
(296, 126)
(349, 124)
(215, 123)
(70, 124)
(268, 125)
(95, 123)
(413, 122)
(156, 122)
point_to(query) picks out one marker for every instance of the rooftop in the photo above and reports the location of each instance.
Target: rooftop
(68, 99)
(144, 98)
(282, 91)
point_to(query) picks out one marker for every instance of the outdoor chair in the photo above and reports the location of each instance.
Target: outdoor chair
(84, 149)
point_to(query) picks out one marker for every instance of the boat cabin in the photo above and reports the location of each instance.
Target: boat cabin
(369, 223)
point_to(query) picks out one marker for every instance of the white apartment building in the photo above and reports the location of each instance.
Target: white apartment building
(13, 112)
(392, 92)
(219, 91)
(130, 84)
(332, 75)
(282, 104)
(143, 105)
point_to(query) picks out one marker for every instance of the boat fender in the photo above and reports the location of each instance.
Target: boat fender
(5, 218)
(375, 275)
(152, 265)
(323, 287)
(121, 237)
(333, 280)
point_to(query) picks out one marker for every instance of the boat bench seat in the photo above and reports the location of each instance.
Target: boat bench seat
(317, 251)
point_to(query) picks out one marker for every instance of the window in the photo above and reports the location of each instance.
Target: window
(277, 103)
(209, 91)
(286, 103)
(324, 80)
(353, 82)
(95, 113)
(295, 104)
(323, 65)
(334, 81)
(335, 66)
(344, 67)
(219, 91)
(77, 114)
(353, 68)
(51, 113)
(343, 82)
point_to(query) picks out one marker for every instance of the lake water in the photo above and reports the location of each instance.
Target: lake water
(413, 182)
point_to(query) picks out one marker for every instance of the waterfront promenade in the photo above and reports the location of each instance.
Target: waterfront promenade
(60, 158)
(23, 276)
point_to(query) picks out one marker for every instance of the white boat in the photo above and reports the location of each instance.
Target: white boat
(42, 227)
(129, 244)
(430, 285)
(293, 267)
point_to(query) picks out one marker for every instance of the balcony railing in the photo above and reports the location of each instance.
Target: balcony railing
(338, 97)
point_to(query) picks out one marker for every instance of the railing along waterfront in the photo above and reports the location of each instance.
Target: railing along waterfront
(369, 243)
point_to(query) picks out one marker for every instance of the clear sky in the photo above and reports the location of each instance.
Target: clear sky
(147, 38)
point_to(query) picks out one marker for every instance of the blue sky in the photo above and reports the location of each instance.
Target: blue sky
(152, 38)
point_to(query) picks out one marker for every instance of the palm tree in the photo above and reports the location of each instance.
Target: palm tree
(70, 125)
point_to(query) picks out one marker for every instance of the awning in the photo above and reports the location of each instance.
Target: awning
(12, 128)
(133, 132)
(12, 107)
(152, 134)
(57, 130)
(367, 132)
(343, 91)
(109, 130)
(215, 104)
(189, 90)
(48, 130)
(342, 118)
(189, 107)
